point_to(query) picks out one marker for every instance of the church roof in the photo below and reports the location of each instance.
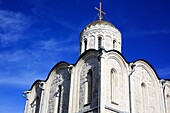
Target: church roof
(100, 22)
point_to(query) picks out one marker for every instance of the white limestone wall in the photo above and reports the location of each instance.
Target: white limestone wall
(120, 103)
(50, 100)
(31, 100)
(146, 91)
(167, 96)
(78, 77)
(107, 33)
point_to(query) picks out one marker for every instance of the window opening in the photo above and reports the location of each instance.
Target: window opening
(85, 44)
(114, 44)
(99, 42)
(59, 98)
(168, 103)
(114, 86)
(88, 88)
(144, 97)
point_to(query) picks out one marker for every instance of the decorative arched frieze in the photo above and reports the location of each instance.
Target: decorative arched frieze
(104, 30)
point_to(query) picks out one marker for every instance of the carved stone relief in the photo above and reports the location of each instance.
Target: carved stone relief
(141, 76)
(59, 92)
(90, 64)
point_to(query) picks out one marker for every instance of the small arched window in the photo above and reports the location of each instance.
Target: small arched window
(88, 88)
(85, 44)
(114, 44)
(99, 42)
(144, 97)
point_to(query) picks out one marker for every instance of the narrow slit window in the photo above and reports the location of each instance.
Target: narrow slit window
(99, 42)
(114, 86)
(144, 97)
(59, 98)
(37, 104)
(114, 44)
(168, 103)
(85, 44)
(88, 88)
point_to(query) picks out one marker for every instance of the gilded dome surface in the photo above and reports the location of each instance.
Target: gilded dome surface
(100, 22)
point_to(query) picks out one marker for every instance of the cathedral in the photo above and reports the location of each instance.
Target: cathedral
(101, 81)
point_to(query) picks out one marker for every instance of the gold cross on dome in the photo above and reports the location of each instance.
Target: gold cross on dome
(100, 11)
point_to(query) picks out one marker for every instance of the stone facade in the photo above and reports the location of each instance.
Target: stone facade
(101, 81)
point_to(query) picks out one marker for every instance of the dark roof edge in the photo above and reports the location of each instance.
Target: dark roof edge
(90, 50)
(59, 63)
(139, 60)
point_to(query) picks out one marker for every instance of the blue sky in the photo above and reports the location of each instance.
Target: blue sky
(36, 34)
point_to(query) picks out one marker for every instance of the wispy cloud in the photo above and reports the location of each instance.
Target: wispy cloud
(12, 56)
(22, 79)
(67, 24)
(12, 26)
(27, 65)
(164, 72)
(137, 33)
(58, 46)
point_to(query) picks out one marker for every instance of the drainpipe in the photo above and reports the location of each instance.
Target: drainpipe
(163, 87)
(130, 86)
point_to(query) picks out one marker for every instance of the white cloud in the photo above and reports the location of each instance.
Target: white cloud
(23, 78)
(57, 46)
(12, 26)
(12, 56)
(20, 66)
(48, 44)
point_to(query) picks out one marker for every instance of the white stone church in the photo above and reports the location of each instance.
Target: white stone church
(101, 81)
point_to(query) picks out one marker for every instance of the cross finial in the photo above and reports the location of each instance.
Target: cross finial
(100, 11)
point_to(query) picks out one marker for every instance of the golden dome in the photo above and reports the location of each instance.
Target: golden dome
(100, 22)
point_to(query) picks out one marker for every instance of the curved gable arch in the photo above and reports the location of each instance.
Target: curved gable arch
(146, 66)
(87, 62)
(58, 83)
(115, 55)
(144, 96)
(115, 70)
